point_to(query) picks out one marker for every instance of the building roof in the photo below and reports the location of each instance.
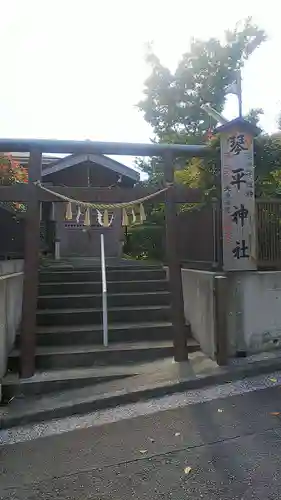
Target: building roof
(104, 161)
(52, 164)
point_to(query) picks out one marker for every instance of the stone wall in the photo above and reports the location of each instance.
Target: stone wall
(10, 308)
(254, 311)
(199, 307)
(251, 306)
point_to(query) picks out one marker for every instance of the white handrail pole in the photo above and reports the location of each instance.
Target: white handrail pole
(57, 249)
(104, 294)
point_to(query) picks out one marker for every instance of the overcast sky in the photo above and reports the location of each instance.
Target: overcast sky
(74, 69)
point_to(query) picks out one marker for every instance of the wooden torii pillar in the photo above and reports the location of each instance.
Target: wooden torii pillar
(32, 195)
(175, 279)
(31, 264)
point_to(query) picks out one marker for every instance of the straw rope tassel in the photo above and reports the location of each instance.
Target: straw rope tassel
(134, 216)
(87, 220)
(68, 214)
(105, 219)
(111, 219)
(142, 213)
(125, 219)
(78, 214)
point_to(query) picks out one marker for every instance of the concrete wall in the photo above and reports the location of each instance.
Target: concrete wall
(199, 307)
(251, 306)
(10, 308)
(254, 311)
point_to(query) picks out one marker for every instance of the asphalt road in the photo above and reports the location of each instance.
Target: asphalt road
(228, 448)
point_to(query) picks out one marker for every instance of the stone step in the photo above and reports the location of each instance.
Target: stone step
(58, 288)
(55, 357)
(94, 315)
(125, 274)
(95, 300)
(138, 265)
(93, 334)
(153, 380)
(53, 381)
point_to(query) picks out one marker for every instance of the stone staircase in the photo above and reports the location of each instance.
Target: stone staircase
(69, 351)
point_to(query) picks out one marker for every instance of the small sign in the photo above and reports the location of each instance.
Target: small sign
(238, 200)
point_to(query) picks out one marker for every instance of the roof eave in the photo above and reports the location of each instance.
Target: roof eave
(102, 160)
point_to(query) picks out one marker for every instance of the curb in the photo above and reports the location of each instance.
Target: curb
(110, 400)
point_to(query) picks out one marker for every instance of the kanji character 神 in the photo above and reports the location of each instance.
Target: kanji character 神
(240, 213)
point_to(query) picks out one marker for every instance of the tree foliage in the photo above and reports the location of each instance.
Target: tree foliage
(172, 106)
(172, 101)
(204, 173)
(11, 172)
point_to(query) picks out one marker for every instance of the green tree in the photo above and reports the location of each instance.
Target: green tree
(172, 101)
(172, 106)
(253, 116)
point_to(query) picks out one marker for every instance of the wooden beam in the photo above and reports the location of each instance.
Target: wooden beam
(177, 307)
(17, 192)
(21, 192)
(31, 263)
(107, 148)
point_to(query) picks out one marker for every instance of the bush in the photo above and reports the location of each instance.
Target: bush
(146, 242)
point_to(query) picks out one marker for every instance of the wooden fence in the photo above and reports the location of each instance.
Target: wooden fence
(199, 237)
(199, 240)
(12, 226)
(12, 234)
(269, 233)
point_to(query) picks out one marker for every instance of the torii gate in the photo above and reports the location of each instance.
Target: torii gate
(32, 195)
